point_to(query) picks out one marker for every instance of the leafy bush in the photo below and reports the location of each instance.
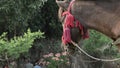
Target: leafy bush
(11, 49)
(99, 44)
(15, 14)
(47, 20)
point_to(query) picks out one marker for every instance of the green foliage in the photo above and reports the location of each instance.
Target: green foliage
(50, 45)
(111, 52)
(17, 13)
(99, 44)
(97, 39)
(11, 49)
(47, 20)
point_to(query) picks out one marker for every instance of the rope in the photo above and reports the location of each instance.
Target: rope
(98, 59)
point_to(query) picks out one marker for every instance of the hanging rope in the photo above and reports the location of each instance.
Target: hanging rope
(98, 59)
